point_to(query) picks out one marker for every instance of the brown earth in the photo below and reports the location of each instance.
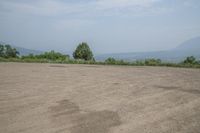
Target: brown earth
(55, 98)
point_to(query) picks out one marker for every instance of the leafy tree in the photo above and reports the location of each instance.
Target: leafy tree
(7, 51)
(198, 62)
(83, 52)
(1, 50)
(190, 60)
(10, 52)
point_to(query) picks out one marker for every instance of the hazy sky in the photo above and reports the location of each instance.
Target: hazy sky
(109, 26)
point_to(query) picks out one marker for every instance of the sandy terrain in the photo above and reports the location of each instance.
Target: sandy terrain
(54, 98)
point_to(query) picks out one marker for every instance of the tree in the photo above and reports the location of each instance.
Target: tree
(1, 50)
(198, 62)
(10, 52)
(7, 51)
(190, 60)
(83, 52)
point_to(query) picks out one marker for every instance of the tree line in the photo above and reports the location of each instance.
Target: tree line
(84, 55)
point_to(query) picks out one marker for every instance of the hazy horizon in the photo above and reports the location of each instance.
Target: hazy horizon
(108, 26)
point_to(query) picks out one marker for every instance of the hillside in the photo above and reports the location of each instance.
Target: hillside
(192, 45)
(187, 48)
(24, 51)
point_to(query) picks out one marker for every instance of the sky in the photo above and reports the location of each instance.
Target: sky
(108, 26)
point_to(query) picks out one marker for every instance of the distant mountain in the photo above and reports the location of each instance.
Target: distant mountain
(191, 46)
(24, 51)
(187, 48)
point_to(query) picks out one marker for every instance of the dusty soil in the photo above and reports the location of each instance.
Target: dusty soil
(54, 98)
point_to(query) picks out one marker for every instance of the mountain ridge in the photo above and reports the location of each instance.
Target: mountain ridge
(23, 51)
(190, 47)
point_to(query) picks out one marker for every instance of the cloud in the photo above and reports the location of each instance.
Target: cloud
(109, 4)
(72, 24)
(191, 4)
(40, 7)
(89, 7)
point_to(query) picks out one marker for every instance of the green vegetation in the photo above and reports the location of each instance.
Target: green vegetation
(110, 61)
(153, 62)
(83, 52)
(48, 56)
(83, 55)
(190, 60)
(113, 61)
(6, 51)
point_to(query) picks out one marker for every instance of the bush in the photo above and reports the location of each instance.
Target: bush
(152, 62)
(138, 63)
(110, 61)
(190, 60)
(47, 56)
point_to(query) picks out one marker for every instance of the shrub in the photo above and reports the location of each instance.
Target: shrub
(190, 60)
(138, 63)
(152, 62)
(49, 56)
(110, 61)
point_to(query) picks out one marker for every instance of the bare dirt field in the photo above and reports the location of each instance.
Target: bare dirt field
(55, 98)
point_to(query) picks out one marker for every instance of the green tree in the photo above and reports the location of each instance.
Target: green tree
(190, 60)
(1, 50)
(7, 51)
(10, 52)
(83, 52)
(198, 62)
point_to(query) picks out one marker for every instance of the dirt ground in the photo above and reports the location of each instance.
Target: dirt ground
(55, 98)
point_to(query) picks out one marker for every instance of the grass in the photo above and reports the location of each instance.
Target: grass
(116, 62)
